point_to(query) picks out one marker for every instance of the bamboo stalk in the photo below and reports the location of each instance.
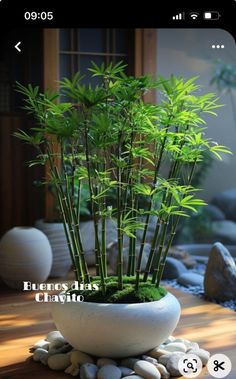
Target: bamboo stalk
(173, 231)
(97, 243)
(119, 217)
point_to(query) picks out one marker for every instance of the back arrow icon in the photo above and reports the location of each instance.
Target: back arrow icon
(17, 46)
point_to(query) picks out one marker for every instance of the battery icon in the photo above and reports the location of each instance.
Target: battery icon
(211, 15)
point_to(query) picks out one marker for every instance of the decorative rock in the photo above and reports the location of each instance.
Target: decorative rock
(58, 342)
(214, 213)
(204, 355)
(164, 359)
(173, 269)
(55, 335)
(88, 371)
(72, 370)
(226, 201)
(191, 346)
(125, 371)
(149, 359)
(87, 236)
(41, 343)
(59, 362)
(79, 358)
(220, 276)
(157, 352)
(133, 377)
(147, 370)
(66, 348)
(176, 346)
(183, 256)
(225, 231)
(40, 355)
(190, 279)
(163, 371)
(169, 339)
(172, 365)
(108, 372)
(129, 362)
(113, 256)
(105, 361)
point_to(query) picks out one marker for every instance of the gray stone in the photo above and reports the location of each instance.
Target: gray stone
(164, 359)
(55, 335)
(183, 256)
(113, 256)
(59, 362)
(225, 231)
(78, 358)
(172, 365)
(40, 344)
(133, 377)
(147, 370)
(88, 239)
(204, 355)
(226, 201)
(40, 354)
(190, 279)
(129, 362)
(214, 213)
(163, 371)
(173, 269)
(88, 371)
(149, 359)
(150, 230)
(176, 346)
(125, 371)
(169, 339)
(60, 350)
(105, 361)
(157, 352)
(108, 372)
(220, 275)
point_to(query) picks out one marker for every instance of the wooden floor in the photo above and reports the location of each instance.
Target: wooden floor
(23, 322)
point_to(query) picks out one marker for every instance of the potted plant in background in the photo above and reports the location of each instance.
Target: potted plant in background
(110, 139)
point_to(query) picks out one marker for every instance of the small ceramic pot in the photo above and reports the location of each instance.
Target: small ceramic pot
(25, 255)
(116, 330)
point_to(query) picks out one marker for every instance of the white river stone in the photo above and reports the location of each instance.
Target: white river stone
(147, 370)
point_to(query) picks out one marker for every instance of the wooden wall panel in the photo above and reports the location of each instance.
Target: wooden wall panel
(20, 200)
(145, 56)
(51, 76)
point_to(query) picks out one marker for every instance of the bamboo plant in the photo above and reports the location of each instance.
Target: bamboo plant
(108, 138)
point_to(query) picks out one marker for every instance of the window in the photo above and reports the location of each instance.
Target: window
(78, 47)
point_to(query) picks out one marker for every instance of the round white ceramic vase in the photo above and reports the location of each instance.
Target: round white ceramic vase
(117, 330)
(25, 255)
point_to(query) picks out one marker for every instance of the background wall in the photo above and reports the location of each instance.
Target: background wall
(188, 52)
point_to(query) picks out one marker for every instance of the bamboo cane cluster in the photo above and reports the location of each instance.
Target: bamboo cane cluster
(107, 138)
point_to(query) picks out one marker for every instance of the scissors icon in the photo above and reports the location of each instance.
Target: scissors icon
(218, 365)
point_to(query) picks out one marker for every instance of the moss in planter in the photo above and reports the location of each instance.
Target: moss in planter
(146, 292)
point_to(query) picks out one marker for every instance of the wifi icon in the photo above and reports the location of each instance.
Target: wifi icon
(194, 15)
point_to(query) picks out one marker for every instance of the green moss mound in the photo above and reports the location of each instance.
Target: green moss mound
(147, 292)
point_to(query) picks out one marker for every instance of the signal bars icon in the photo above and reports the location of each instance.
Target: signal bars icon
(179, 16)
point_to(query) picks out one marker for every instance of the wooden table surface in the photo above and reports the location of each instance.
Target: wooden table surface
(23, 322)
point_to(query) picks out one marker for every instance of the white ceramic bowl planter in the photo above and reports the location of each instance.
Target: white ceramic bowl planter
(25, 255)
(117, 330)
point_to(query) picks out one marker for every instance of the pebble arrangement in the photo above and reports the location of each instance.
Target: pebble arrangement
(158, 363)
